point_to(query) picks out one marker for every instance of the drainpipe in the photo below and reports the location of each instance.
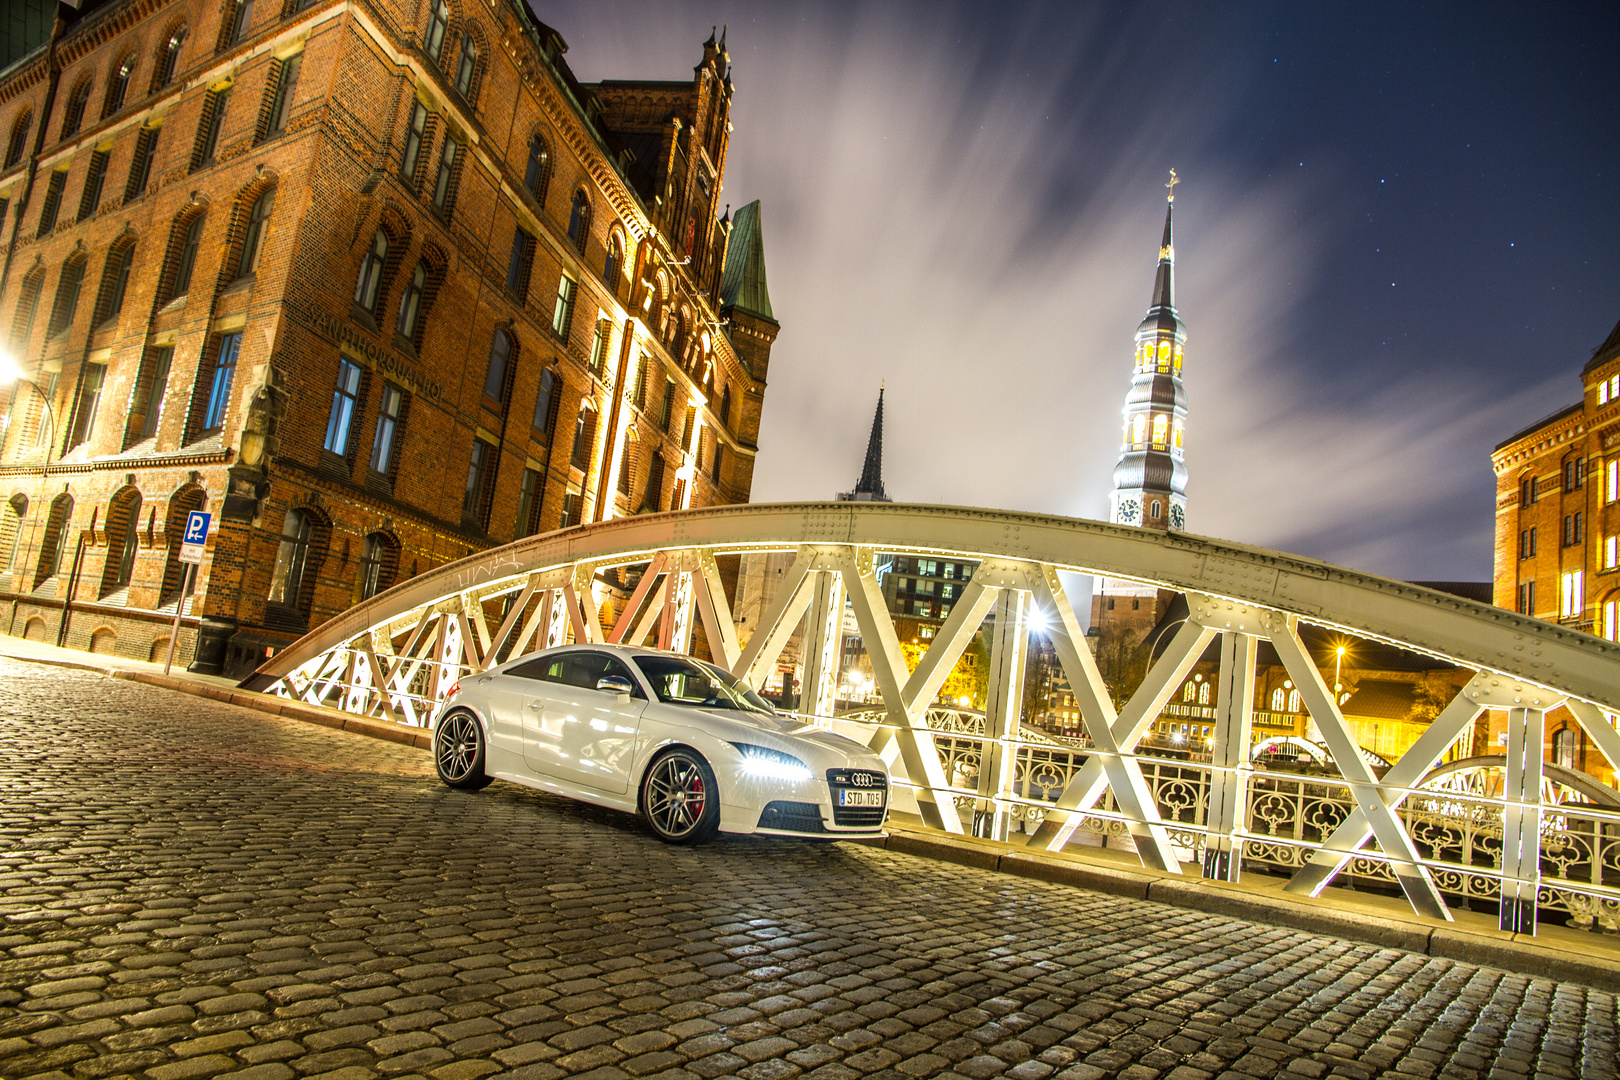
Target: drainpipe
(73, 583)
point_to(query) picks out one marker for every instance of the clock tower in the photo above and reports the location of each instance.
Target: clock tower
(1150, 481)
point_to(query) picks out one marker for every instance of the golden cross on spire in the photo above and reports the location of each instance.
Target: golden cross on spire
(1172, 186)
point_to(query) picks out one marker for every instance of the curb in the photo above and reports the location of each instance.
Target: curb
(1525, 957)
(1442, 942)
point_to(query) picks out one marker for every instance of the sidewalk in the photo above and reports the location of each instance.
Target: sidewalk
(1556, 952)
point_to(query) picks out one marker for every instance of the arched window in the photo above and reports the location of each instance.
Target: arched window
(73, 112)
(1175, 434)
(613, 262)
(1278, 700)
(17, 144)
(725, 407)
(115, 282)
(168, 58)
(367, 285)
(16, 508)
(186, 239)
(123, 539)
(1138, 428)
(253, 239)
(1566, 748)
(1161, 424)
(50, 548)
(438, 23)
(1203, 694)
(579, 220)
(288, 579)
(1293, 701)
(22, 319)
(1189, 692)
(379, 563)
(118, 86)
(467, 65)
(500, 364)
(545, 405)
(538, 173)
(66, 305)
(410, 304)
(584, 438)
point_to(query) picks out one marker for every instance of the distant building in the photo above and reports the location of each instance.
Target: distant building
(310, 267)
(869, 488)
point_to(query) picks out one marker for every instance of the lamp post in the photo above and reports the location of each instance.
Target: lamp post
(10, 372)
(1338, 660)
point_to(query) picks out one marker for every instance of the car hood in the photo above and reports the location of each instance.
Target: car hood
(787, 727)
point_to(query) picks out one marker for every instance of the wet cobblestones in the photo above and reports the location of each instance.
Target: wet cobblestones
(189, 889)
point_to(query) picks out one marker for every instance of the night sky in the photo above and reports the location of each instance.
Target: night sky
(1397, 242)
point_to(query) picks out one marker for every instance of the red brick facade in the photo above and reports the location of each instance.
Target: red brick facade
(319, 297)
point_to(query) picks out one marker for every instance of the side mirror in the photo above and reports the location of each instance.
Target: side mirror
(617, 685)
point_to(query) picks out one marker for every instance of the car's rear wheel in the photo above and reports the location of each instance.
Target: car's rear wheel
(679, 797)
(458, 751)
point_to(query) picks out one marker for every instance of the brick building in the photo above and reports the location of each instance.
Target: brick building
(378, 283)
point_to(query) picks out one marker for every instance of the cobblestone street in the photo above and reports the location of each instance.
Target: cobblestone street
(189, 889)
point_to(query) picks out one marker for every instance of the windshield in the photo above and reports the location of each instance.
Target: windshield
(680, 680)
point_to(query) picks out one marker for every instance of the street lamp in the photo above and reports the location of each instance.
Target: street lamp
(11, 372)
(1338, 659)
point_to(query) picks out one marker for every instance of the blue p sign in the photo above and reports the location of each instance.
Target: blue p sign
(197, 527)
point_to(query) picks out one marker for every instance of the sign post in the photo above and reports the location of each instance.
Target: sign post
(191, 553)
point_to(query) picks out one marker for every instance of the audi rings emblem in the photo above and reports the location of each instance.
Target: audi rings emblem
(864, 779)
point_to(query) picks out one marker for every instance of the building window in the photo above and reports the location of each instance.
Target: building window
(1571, 593)
(562, 314)
(447, 168)
(84, 410)
(379, 557)
(73, 114)
(613, 262)
(67, 297)
(50, 548)
(115, 283)
(1566, 746)
(719, 457)
(414, 134)
(579, 220)
(123, 539)
(584, 438)
(1611, 485)
(240, 18)
(90, 198)
(528, 509)
(438, 22)
(52, 203)
(519, 264)
(388, 418)
(151, 386)
(410, 305)
(253, 241)
(1161, 425)
(538, 173)
(1527, 598)
(545, 405)
(467, 66)
(292, 560)
(570, 510)
(495, 376)
(213, 121)
(479, 473)
(1611, 619)
(1278, 700)
(599, 345)
(188, 256)
(1527, 491)
(17, 145)
(1203, 693)
(627, 463)
(1611, 552)
(725, 408)
(140, 166)
(219, 389)
(1527, 543)
(368, 285)
(653, 498)
(168, 60)
(286, 85)
(345, 398)
(1572, 529)
(668, 412)
(118, 87)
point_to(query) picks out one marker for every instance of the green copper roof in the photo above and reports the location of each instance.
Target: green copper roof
(742, 286)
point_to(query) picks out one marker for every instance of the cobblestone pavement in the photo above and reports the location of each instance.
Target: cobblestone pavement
(189, 889)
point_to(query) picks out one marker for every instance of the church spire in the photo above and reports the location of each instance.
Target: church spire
(870, 486)
(1150, 481)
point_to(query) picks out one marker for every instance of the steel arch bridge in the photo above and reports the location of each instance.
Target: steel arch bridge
(396, 656)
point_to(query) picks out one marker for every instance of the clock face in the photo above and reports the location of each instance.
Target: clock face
(1130, 511)
(1178, 516)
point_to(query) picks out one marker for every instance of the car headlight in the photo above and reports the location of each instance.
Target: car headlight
(774, 764)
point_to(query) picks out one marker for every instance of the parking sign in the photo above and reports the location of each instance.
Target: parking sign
(191, 544)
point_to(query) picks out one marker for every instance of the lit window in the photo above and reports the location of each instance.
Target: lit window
(1611, 620)
(1188, 692)
(84, 415)
(1176, 433)
(1611, 487)
(1571, 588)
(345, 397)
(1203, 694)
(1138, 428)
(1603, 392)
(287, 579)
(1161, 424)
(1611, 552)
(599, 345)
(1277, 700)
(1293, 701)
(562, 314)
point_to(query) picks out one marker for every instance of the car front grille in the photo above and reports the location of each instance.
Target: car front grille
(858, 817)
(792, 817)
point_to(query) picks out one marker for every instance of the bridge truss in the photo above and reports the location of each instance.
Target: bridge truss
(396, 656)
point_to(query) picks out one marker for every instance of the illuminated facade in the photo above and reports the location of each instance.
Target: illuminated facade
(378, 284)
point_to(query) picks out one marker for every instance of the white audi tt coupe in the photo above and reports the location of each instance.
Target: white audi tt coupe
(683, 743)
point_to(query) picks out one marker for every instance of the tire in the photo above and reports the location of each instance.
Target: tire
(677, 781)
(458, 751)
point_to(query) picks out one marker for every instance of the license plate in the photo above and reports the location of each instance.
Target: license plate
(860, 798)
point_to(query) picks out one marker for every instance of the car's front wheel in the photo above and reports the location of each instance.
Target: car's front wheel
(458, 751)
(679, 797)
